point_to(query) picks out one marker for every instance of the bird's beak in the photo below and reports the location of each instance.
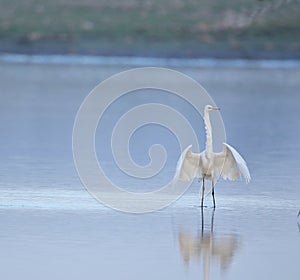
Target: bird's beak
(215, 108)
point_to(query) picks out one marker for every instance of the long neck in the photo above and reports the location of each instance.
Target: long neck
(208, 150)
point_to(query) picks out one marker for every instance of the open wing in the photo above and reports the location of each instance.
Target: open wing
(188, 165)
(230, 164)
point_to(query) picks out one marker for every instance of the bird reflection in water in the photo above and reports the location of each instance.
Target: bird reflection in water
(207, 246)
(298, 222)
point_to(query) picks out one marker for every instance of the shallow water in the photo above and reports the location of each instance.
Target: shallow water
(52, 228)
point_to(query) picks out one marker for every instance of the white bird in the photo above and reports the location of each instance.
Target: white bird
(209, 165)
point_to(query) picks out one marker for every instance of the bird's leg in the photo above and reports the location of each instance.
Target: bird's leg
(203, 189)
(213, 192)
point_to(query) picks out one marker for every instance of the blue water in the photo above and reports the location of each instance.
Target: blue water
(52, 228)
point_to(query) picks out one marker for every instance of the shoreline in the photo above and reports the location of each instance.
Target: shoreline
(82, 59)
(161, 51)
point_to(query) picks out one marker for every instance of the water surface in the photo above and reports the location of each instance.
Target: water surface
(53, 229)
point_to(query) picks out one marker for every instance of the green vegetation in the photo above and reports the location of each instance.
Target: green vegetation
(147, 27)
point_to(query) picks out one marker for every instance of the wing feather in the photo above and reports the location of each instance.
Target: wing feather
(230, 164)
(188, 165)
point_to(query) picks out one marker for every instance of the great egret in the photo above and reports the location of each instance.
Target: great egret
(209, 165)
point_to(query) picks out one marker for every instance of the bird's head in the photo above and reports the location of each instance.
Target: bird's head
(210, 108)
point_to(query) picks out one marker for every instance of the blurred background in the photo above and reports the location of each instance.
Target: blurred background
(171, 28)
(52, 228)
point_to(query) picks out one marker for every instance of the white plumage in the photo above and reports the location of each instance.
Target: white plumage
(228, 164)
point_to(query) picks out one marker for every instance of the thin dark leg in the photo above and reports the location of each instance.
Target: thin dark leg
(213, 193)
(203, 189)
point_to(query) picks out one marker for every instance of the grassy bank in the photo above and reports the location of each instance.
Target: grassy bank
(243, 28)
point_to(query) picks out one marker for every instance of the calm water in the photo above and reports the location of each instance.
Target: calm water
(53, 229)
